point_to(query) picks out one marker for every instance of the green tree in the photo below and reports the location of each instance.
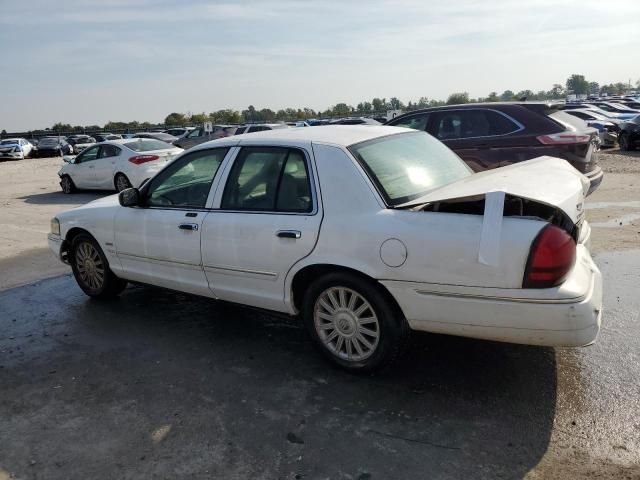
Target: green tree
(524, 94)
(458, 98)
(507, 96)
(62, 127)
(395, 104)
(377, 104)
(198, 118)
(493, 97)
(175, 119)
(556, 92)
(341, 109)
(577, 84)
(594, 88)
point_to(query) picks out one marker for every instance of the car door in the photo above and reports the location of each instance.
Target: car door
(158, 242)
(83, 169)
(105, 165)
(268, 218)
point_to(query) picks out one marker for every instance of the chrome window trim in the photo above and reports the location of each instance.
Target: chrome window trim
(508, 117)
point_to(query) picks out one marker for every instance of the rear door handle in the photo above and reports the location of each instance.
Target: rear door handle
(188, 226)
(289, 234)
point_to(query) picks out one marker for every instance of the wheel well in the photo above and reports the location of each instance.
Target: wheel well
(307, 275)
(66, 245)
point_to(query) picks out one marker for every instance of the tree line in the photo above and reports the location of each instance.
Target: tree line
(575, 84)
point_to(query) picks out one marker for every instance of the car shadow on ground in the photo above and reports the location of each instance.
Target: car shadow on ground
(244, 394)
(60, 198)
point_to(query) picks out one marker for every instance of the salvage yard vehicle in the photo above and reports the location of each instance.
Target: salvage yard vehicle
(163, 137)
(53, 147)
(490, 135)
(199, 135)
(607, 128)
(629, 135)
(80, 142)
(15, 148)
(115, 165)
(366, 232)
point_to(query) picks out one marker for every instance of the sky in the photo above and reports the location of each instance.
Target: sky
(84, 62)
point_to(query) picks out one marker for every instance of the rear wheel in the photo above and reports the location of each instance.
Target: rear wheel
(67, 184)
(91, 269)
(625, 142)
(121, 182)
(353, 323)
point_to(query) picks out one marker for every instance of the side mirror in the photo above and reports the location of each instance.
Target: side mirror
(69, 158)
(129, 197)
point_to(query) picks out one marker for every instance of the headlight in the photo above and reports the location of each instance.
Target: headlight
(55, 226)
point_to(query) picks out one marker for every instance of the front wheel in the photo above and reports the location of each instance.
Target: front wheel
(91, 269)
(67, 184)
(353, 323)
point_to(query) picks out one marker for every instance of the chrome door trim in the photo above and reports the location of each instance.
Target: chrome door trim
(161, 261)
(226, 270)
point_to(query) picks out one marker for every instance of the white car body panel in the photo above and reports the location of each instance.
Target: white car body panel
(428, 261)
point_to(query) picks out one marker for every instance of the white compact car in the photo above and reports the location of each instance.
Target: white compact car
(366, 232)
(15, 148)
(116, 164)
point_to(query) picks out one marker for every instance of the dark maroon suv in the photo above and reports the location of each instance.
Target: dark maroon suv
(490, 135)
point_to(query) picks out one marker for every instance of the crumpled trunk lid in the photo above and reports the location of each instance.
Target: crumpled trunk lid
(548, 180)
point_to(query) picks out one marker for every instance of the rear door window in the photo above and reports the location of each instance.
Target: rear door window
(109, 151)
(268, 179)
(417, 122)
(458, 124)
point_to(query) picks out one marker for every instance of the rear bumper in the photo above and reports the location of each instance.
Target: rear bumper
(595, 177)
(569, 315)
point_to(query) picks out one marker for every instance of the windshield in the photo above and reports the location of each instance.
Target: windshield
(635, 120)
(147, 145)
(406, 166)
(9, 142)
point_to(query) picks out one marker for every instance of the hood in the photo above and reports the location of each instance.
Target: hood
(547, 180)
(109, 201)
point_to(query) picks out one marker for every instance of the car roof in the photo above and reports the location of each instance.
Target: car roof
(341, 135)
(12, 139)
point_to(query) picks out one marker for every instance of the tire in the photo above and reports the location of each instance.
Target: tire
(372, 330)
(121, 182)
(91, 269)
(625, 143)
(67, 184)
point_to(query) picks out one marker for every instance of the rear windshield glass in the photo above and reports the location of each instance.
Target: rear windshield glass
(146, 145)
(49, 141)
(9, 142)
(567, 120)
(406, 166)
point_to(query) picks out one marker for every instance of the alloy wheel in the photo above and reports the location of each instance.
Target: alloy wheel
(346, 324)
(90, 267)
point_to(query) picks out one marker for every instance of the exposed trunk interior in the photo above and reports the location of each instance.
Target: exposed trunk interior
(514, 206)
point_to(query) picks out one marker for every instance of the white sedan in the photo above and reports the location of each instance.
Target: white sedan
(366, 232)
(115, 165)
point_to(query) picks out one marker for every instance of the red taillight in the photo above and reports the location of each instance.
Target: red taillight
(552, 256)
(138, 159)
(564, 138)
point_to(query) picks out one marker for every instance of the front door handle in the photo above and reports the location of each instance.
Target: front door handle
(289, 234)
(188, 226)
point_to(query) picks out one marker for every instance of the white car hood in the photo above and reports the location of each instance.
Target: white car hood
(545, 179)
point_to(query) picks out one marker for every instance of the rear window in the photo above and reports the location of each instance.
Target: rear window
(567, 120)
(406, 166)
(470, 123)
(146, 145)
(48, 141)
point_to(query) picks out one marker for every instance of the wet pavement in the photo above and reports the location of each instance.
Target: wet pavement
(162, 385)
